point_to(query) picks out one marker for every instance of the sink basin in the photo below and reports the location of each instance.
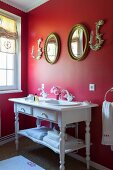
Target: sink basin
(53, 101)
(62, 102)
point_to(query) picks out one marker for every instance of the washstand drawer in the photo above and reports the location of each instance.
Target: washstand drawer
(24, 109)
(45, 114)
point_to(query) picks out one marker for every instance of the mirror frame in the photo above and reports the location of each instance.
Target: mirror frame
(86, 33)
(57, 38)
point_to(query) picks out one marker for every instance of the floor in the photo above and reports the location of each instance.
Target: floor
(42, 156)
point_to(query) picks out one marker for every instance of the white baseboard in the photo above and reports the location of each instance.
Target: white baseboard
(0, 123)
(6, 139)
(93, 164)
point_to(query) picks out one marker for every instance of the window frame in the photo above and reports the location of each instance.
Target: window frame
(17, 62)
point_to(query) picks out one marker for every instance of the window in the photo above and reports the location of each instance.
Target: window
(10, 52)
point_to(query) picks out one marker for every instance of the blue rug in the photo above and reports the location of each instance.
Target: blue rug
(18, 163)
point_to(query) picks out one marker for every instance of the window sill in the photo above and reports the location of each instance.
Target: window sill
(10, 91)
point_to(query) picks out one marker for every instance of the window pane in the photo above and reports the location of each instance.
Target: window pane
(10, 77)
(10, 61)
(10, 52)
(2, 77)
(2, 60)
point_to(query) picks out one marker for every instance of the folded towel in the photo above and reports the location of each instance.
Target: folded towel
(107, 123)
(38, 132)
(51, 142)
(70, 142)
(55, 135)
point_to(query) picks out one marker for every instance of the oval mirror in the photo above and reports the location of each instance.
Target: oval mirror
(52, 48)
(78, 42)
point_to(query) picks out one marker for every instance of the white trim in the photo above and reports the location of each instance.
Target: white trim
(12, 4)
(17, 69)
(37, 4)
(10, 91)
(93, 164)
(0, 122)
(25, 9)
(7, 139)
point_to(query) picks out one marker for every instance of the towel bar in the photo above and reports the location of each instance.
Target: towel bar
(110, 90)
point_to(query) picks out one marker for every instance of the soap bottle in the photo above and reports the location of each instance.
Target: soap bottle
(36, 99)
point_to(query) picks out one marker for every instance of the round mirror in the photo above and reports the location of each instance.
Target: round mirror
(78, 42)
(52, 48)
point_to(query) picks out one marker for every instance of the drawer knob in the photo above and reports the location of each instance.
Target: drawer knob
(23, 110)
(44, 114)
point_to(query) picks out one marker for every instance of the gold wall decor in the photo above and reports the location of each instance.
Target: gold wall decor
(52, 47)
(39, 52)
(98, 37)
(78, 40)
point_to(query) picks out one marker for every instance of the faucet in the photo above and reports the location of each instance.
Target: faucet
(42, 93)
(67, 95)
(57, 91)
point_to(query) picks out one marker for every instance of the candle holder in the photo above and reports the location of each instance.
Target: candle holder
(98, 37)
(39, 54)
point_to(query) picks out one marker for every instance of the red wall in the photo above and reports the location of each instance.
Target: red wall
(60, 16)
(6, 107)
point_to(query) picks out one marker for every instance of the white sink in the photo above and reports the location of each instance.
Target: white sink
(53, 101)
(62, 102)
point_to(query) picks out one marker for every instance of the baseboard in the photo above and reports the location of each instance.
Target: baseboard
(6, 139)
(0, 123)
(93, 164)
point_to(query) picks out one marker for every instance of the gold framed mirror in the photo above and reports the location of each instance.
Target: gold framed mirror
(78, 42)
(52, 48)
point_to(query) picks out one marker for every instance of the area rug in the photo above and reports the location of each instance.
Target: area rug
(18, 163)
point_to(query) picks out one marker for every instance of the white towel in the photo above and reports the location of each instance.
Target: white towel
(38, 132)
(53, 135)
(51, 142)
(107, 123)
(70, 142)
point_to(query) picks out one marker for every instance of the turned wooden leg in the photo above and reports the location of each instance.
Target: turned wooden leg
(16, 129)
(38, 122)
(62, 148)
(51, 125)
(87, 140)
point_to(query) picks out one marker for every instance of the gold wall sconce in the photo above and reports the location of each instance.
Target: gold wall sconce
(98, 37)
(39, 51)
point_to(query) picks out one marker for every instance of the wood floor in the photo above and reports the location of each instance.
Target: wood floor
(42, 156)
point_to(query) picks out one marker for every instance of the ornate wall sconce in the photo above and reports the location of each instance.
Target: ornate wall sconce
(39, 54)
(98, 37)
